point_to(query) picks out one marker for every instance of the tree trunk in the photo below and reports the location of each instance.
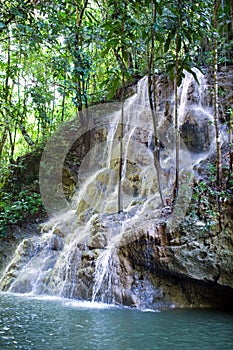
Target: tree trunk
(152, 101)
(78, 59)
(122, 65)
(63, 104)
(177, 131)
(231, 2)
(26, 136)
(119, 197)
(230, 145)
(3, 141)
(218, 141)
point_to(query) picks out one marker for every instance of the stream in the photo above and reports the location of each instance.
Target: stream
(29, 322)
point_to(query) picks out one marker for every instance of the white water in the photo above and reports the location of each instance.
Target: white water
(58, 261)
(35, 324)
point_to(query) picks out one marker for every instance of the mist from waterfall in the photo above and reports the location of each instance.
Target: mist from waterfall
(76, 255)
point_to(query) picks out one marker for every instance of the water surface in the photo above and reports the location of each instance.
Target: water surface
(31, 323)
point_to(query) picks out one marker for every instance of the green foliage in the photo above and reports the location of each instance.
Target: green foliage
(57, 57)
(13, 211)
(53, 62)
(203, 207)
(186, 23)
(207, 199)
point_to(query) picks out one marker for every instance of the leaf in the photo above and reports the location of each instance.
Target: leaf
(179, 43)
(144, 34)
(158, 58)
(159, 9)
(167, 43)
(187, 35)
(171, 75)
(189, 70)
(170, 67)
(179, 79)
(113, 43)
(91, 17)
(2, 25)
(157, 28)
(18, 13)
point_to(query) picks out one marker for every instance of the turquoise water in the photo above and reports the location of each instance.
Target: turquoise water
(46, 323)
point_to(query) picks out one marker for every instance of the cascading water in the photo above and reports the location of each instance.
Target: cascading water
(76, 255)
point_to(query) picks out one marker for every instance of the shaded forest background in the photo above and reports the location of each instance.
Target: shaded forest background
(60, 57)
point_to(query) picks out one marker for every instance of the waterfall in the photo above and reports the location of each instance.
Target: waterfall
(77, 253)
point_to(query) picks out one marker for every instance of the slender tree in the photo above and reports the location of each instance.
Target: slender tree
(215, 60)
(177, 131)
(122, 66)
(152, 99)
(230, 144)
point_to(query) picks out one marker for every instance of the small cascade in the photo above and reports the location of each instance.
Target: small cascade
(196, 115)
(184, 96)
(107, 276)
(77, 254)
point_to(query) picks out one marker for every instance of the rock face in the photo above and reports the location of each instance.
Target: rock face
(191, 266)
(141, 257)
(158, 267)
(190, 129)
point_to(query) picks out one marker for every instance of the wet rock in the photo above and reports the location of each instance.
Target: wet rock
(57, 231)
(22, 255)
(89, 255)
(26, 248)
(83, 205)
(98, 241)
(56, 243)
(189, 131)
(68, 182)
(157, 263)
